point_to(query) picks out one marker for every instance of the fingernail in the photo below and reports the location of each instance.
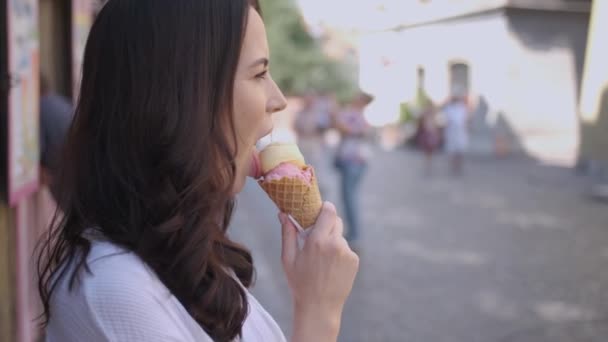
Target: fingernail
(282, 218)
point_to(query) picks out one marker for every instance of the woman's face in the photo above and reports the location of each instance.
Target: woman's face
(256, 96)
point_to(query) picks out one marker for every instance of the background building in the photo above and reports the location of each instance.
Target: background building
(521, 62)
(36, 36)
(594, 98)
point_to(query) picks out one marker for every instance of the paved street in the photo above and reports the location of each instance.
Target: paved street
(512, 252)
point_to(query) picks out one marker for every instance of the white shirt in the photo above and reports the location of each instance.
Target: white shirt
(123, 300)
(456, 132)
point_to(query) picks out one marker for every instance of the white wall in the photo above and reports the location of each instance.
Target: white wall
(522, 65)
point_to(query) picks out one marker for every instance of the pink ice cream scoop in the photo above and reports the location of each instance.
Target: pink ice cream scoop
(289, 170)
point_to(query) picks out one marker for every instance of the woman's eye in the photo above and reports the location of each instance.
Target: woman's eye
(262, 75)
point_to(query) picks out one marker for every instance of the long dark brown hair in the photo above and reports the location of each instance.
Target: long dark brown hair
(150, 157)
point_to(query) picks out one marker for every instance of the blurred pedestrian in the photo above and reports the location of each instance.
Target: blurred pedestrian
(310, 125)
(56, 112)
(428, 136)
(456, 114)
(351, 159)
(174, 96)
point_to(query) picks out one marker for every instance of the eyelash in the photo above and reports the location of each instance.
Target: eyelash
(262, 75)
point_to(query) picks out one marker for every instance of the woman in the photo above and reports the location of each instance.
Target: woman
(457, 116)
(310, 125)
(351, 159)
(428, 136)
(174, 96)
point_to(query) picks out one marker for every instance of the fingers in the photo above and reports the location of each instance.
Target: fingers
(338, 227)
(289, 248)
(326, 220)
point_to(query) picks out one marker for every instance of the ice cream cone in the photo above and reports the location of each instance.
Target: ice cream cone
(296, 197)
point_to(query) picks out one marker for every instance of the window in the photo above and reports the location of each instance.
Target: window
(459, 78)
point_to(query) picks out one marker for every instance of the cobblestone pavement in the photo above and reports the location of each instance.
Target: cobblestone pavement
(511, 252)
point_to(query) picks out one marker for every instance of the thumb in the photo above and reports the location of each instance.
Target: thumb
(290, 240)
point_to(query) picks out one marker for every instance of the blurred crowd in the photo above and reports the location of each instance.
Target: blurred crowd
(322, 120)
(322, 115)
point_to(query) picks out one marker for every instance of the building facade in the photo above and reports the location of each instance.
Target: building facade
(38, 37)
(520, 62)
(594, 98)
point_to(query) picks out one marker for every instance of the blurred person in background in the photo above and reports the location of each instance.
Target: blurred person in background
(428, 136)
(174, 96)
(456, 114)
(351, 159)
(310, 125)
(56, 112)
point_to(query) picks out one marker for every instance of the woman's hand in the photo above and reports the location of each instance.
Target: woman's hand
(320, 275)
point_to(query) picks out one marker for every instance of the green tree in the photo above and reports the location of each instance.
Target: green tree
(298, 62)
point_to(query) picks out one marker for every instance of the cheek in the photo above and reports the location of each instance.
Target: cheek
(245, 125)
(249, 111)
(250, 114)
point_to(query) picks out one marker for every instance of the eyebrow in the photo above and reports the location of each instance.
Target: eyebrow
(262, 60)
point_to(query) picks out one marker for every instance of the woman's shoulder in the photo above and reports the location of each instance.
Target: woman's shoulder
(120, 297)
(118, 275)
(111, 267)
(105, 256)
(113, 276)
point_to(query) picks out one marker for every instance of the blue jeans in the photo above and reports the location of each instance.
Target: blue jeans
(351, 174)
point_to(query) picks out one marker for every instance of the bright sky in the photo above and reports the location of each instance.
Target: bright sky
(373, 15)
(361, 16)
(355, 14)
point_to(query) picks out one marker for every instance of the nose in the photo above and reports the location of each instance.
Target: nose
(276, 101)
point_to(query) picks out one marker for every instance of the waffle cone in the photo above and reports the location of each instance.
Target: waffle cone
(296, 197)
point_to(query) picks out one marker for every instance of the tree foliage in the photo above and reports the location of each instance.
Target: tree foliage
(298, 63)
